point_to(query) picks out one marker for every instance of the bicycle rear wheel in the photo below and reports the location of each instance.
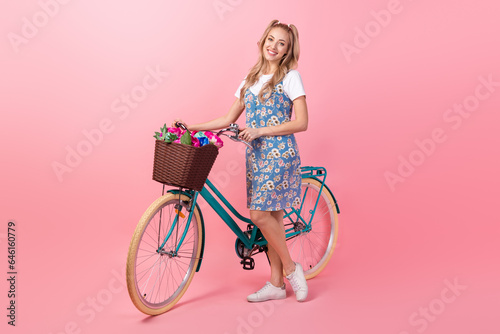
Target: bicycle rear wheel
(158, 277)
(314, 248)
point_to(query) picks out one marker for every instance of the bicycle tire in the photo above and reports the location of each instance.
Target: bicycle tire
(313, 249)
(144, 262)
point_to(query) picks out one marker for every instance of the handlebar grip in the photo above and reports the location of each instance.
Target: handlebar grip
(180, 125)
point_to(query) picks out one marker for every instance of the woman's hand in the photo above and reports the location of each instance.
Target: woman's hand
(178, 120)
(249, 134)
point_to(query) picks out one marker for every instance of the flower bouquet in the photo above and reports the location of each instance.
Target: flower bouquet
(186, 137)
(184, 158)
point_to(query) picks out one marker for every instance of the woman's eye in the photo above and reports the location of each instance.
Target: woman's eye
(282, 44)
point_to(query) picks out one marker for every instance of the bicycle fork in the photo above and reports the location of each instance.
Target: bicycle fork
(174, 252)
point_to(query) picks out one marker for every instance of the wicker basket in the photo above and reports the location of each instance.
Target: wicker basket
(182, 165)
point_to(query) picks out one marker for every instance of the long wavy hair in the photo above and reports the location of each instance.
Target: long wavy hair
(288, 62)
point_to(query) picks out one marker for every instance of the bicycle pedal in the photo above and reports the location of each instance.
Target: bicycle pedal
(248, 263)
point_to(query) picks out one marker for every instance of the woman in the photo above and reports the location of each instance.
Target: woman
(268, 93)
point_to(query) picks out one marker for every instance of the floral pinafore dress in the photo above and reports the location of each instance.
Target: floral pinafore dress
(273, 165)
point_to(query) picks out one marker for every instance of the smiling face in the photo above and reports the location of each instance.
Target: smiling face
(276, 45)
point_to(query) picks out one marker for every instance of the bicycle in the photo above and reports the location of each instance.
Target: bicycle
(168, 243)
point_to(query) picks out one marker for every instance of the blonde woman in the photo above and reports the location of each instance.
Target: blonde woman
(268, 94)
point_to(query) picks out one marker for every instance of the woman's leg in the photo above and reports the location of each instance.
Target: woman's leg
(276, 266)
(271, 225)
(274, 258)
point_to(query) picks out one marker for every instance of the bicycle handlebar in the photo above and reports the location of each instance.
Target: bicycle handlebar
(180, 125)
(233, 127)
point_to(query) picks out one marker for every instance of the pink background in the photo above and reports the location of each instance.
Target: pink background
(400, 246)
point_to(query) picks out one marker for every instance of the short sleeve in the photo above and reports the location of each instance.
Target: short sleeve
(237, 94)
(293, 85)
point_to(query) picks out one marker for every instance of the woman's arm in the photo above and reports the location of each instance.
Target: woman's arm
(221, 122)
(297, 125)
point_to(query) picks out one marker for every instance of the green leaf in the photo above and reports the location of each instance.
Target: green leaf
(186, 138)
(157, 135)
(170, 137)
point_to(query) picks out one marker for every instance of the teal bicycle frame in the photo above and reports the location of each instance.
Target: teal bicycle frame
(249, 239)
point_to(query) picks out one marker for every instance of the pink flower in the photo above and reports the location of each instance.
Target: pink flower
(176, 131)
(213, 139)
(178, 140)
(194, 141)
(218, 142)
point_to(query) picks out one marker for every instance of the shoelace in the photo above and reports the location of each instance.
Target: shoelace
(294, 282)
(265, 287)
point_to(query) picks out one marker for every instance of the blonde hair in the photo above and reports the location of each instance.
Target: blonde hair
(288, 62)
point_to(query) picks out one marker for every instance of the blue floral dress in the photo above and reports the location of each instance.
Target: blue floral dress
(273, 165)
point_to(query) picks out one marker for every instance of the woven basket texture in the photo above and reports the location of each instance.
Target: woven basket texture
(183, 166)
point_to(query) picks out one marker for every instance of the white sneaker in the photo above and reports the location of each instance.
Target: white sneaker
(298, 282)
(268, 292)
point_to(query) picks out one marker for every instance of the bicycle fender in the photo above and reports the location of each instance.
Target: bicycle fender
(334, 200)
(202, 238)
(324, 185)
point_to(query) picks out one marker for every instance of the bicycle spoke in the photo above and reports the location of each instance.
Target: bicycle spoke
(147, 243)
(147, 233)
(319, 241)
(294, 242)
(147, 270)
(160, 281)
(147, 281)
(313, 247)
(159, 277)
(156, 280)
(149, 257)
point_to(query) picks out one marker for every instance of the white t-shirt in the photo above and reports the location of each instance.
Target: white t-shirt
(292, 85)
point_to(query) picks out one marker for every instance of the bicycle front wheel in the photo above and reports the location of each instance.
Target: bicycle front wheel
(313, 248)
(158, 276)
